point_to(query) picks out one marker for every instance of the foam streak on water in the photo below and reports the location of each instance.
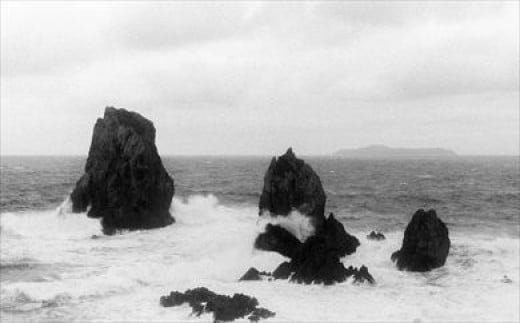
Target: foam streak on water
(51, 269)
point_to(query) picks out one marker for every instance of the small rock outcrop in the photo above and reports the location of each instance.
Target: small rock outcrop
(125, 183)
(290, 184)
(276, 238)
(361, 275)
(376, 236)
(223, 307)
(426, 243)
(254, 274)
(283, 271)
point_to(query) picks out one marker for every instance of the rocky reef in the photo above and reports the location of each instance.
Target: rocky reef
(125, 183)
(426, 243)
(223, 307)
(376, 236)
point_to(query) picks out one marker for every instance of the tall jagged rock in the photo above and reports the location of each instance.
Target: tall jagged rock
(291, 184)
(125, 183)
(426, 243)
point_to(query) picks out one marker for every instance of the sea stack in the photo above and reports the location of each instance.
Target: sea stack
(292, 185)
(125, 183)
(426, 243)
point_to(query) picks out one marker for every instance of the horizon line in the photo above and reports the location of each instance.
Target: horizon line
(264, 155)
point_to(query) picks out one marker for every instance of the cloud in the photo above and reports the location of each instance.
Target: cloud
(321, 75)
(42, 37)
(158, 25)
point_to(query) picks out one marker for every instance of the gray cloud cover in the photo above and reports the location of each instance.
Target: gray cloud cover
(255, 77)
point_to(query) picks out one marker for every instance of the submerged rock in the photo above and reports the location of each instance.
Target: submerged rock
(426, 243)
(276, 238)
(125, 183)
(260, 313)
(223, 307)
(506, 280)
(253, 274)
(290, 184)
(376, 236)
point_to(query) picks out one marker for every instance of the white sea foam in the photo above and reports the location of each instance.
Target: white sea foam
(121, 277)
(296, 223)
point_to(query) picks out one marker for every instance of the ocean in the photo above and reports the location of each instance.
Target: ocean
(52, 269)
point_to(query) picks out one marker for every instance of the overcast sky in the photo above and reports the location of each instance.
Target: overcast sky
(255, 78)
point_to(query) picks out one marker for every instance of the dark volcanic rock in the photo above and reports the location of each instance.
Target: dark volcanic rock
(254, 274)
(290, 184)
(283, 271)
(426, 243)
(276, 238)
(224, 308)
(361, 275)
(317, 263)
(337, 239)
(125, 182)
(376, 236)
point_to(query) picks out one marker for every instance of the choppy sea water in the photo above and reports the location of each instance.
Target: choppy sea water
(52, 270)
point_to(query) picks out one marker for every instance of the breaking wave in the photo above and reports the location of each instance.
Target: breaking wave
(52, 269)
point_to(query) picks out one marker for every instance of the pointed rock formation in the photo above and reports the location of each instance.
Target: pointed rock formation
(337, 239)
(290, 184)
(426, 243)
(125, 183)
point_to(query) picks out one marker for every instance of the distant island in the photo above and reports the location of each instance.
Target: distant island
(381, 151)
